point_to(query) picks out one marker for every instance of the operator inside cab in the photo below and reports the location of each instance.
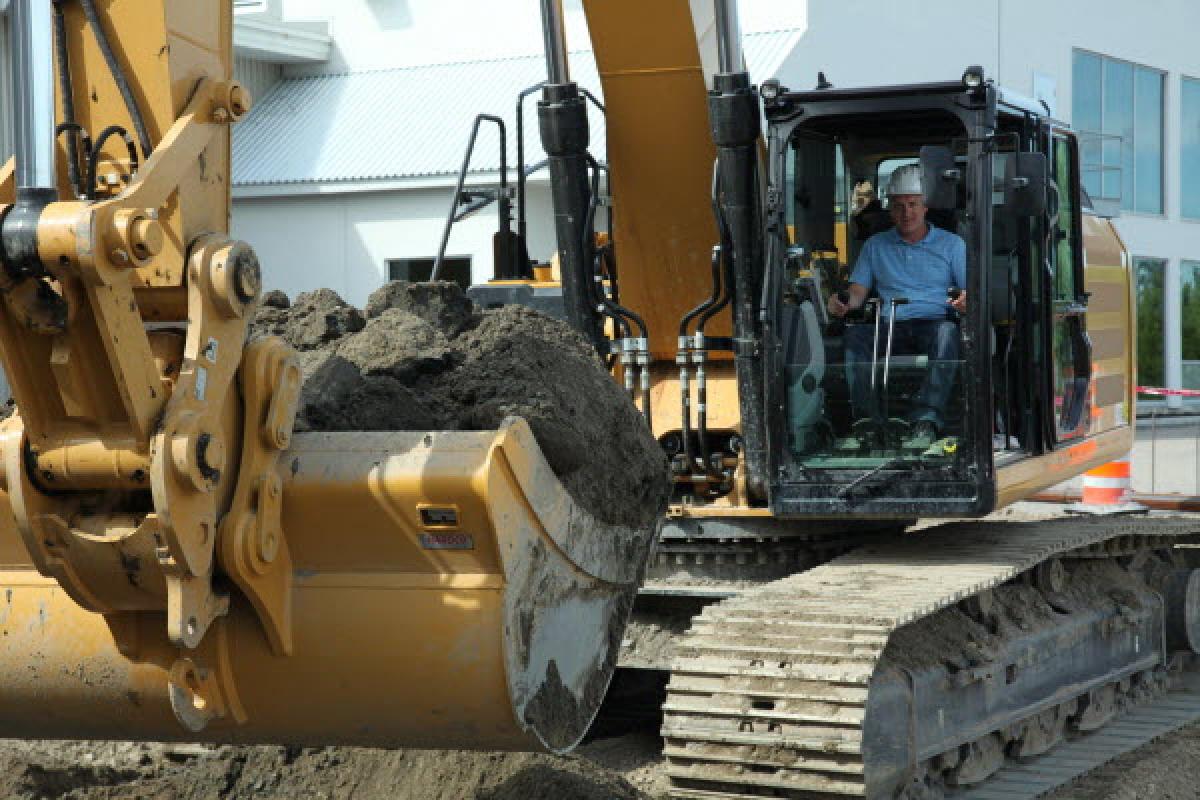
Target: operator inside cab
(913, 268)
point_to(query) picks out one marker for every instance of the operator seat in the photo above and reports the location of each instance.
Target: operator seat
(873, 219)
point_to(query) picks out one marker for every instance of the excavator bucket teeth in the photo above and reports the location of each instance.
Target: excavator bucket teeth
(448, 593)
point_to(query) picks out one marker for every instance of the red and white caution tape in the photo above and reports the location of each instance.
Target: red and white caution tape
(1168, 392)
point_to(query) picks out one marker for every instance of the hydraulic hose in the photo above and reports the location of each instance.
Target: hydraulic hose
(85, 144)
(118, 74)
(683, 354)
(635, 351)
(66, 91)
(608, 306)
(699, 346)
(711, 300)
(94, 157)
(726, 279)
(683, 357)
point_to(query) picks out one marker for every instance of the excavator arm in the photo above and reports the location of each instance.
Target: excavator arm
(175, 564)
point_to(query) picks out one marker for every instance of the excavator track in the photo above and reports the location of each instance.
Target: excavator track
(917, 665)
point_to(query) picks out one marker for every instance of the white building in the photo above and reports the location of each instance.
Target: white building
(344, 172)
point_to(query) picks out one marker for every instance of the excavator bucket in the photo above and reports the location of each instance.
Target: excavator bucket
(445, 592)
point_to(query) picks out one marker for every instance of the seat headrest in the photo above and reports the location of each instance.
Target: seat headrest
(870, 222)
(944, 218)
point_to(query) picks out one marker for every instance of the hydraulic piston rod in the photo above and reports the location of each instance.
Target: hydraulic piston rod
(555, 38)
(729, 36)
(31, 35)
(563, 122)
(30, 40)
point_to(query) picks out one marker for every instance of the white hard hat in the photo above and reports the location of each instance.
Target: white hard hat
(906, 180)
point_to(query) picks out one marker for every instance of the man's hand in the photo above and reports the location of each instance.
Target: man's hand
(958, 300)
(850, 299)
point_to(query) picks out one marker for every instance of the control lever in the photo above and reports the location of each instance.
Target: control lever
(873, 302)
(835, 325)
(887, 358)
(952, 294)
(858, 314)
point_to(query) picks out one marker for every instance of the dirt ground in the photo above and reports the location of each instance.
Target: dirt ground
(1165, 769)
(622, 768)
(613, 769)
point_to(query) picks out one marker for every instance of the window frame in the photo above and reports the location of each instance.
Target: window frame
(1186, 264)
(1183, 215)
(1164, 263)
(1162, 74)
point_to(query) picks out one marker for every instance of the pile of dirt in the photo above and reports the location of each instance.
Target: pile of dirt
(422, 357)
(124, 771)
(953, 639)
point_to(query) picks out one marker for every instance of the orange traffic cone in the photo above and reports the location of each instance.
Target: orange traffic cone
(1108, 489)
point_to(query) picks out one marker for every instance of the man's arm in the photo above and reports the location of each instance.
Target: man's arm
(861, 281)
(857, 296)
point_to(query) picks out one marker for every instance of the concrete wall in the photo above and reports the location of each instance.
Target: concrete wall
(343, 241)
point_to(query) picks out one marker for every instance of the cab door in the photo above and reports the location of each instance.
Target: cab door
(1071, 347)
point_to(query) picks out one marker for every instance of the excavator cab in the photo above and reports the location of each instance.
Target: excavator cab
(907, 406)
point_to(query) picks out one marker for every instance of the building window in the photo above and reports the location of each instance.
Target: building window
(457, 270)
(1149, 275)
(1117, 107)
(1190, 277)
(1190, 155)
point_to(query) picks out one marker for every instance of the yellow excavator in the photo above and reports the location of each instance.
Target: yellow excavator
(174, 562)
(809, 646)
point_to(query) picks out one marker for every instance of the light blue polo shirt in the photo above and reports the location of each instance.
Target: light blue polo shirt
(922, 272)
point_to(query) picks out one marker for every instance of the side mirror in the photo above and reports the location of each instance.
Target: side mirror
(940, 177)
(1025, 184)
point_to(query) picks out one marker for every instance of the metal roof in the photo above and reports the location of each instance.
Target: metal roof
(413, 122)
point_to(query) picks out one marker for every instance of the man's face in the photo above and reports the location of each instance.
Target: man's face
(908, 212)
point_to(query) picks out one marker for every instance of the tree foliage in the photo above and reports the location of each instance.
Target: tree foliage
(1150, 321)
